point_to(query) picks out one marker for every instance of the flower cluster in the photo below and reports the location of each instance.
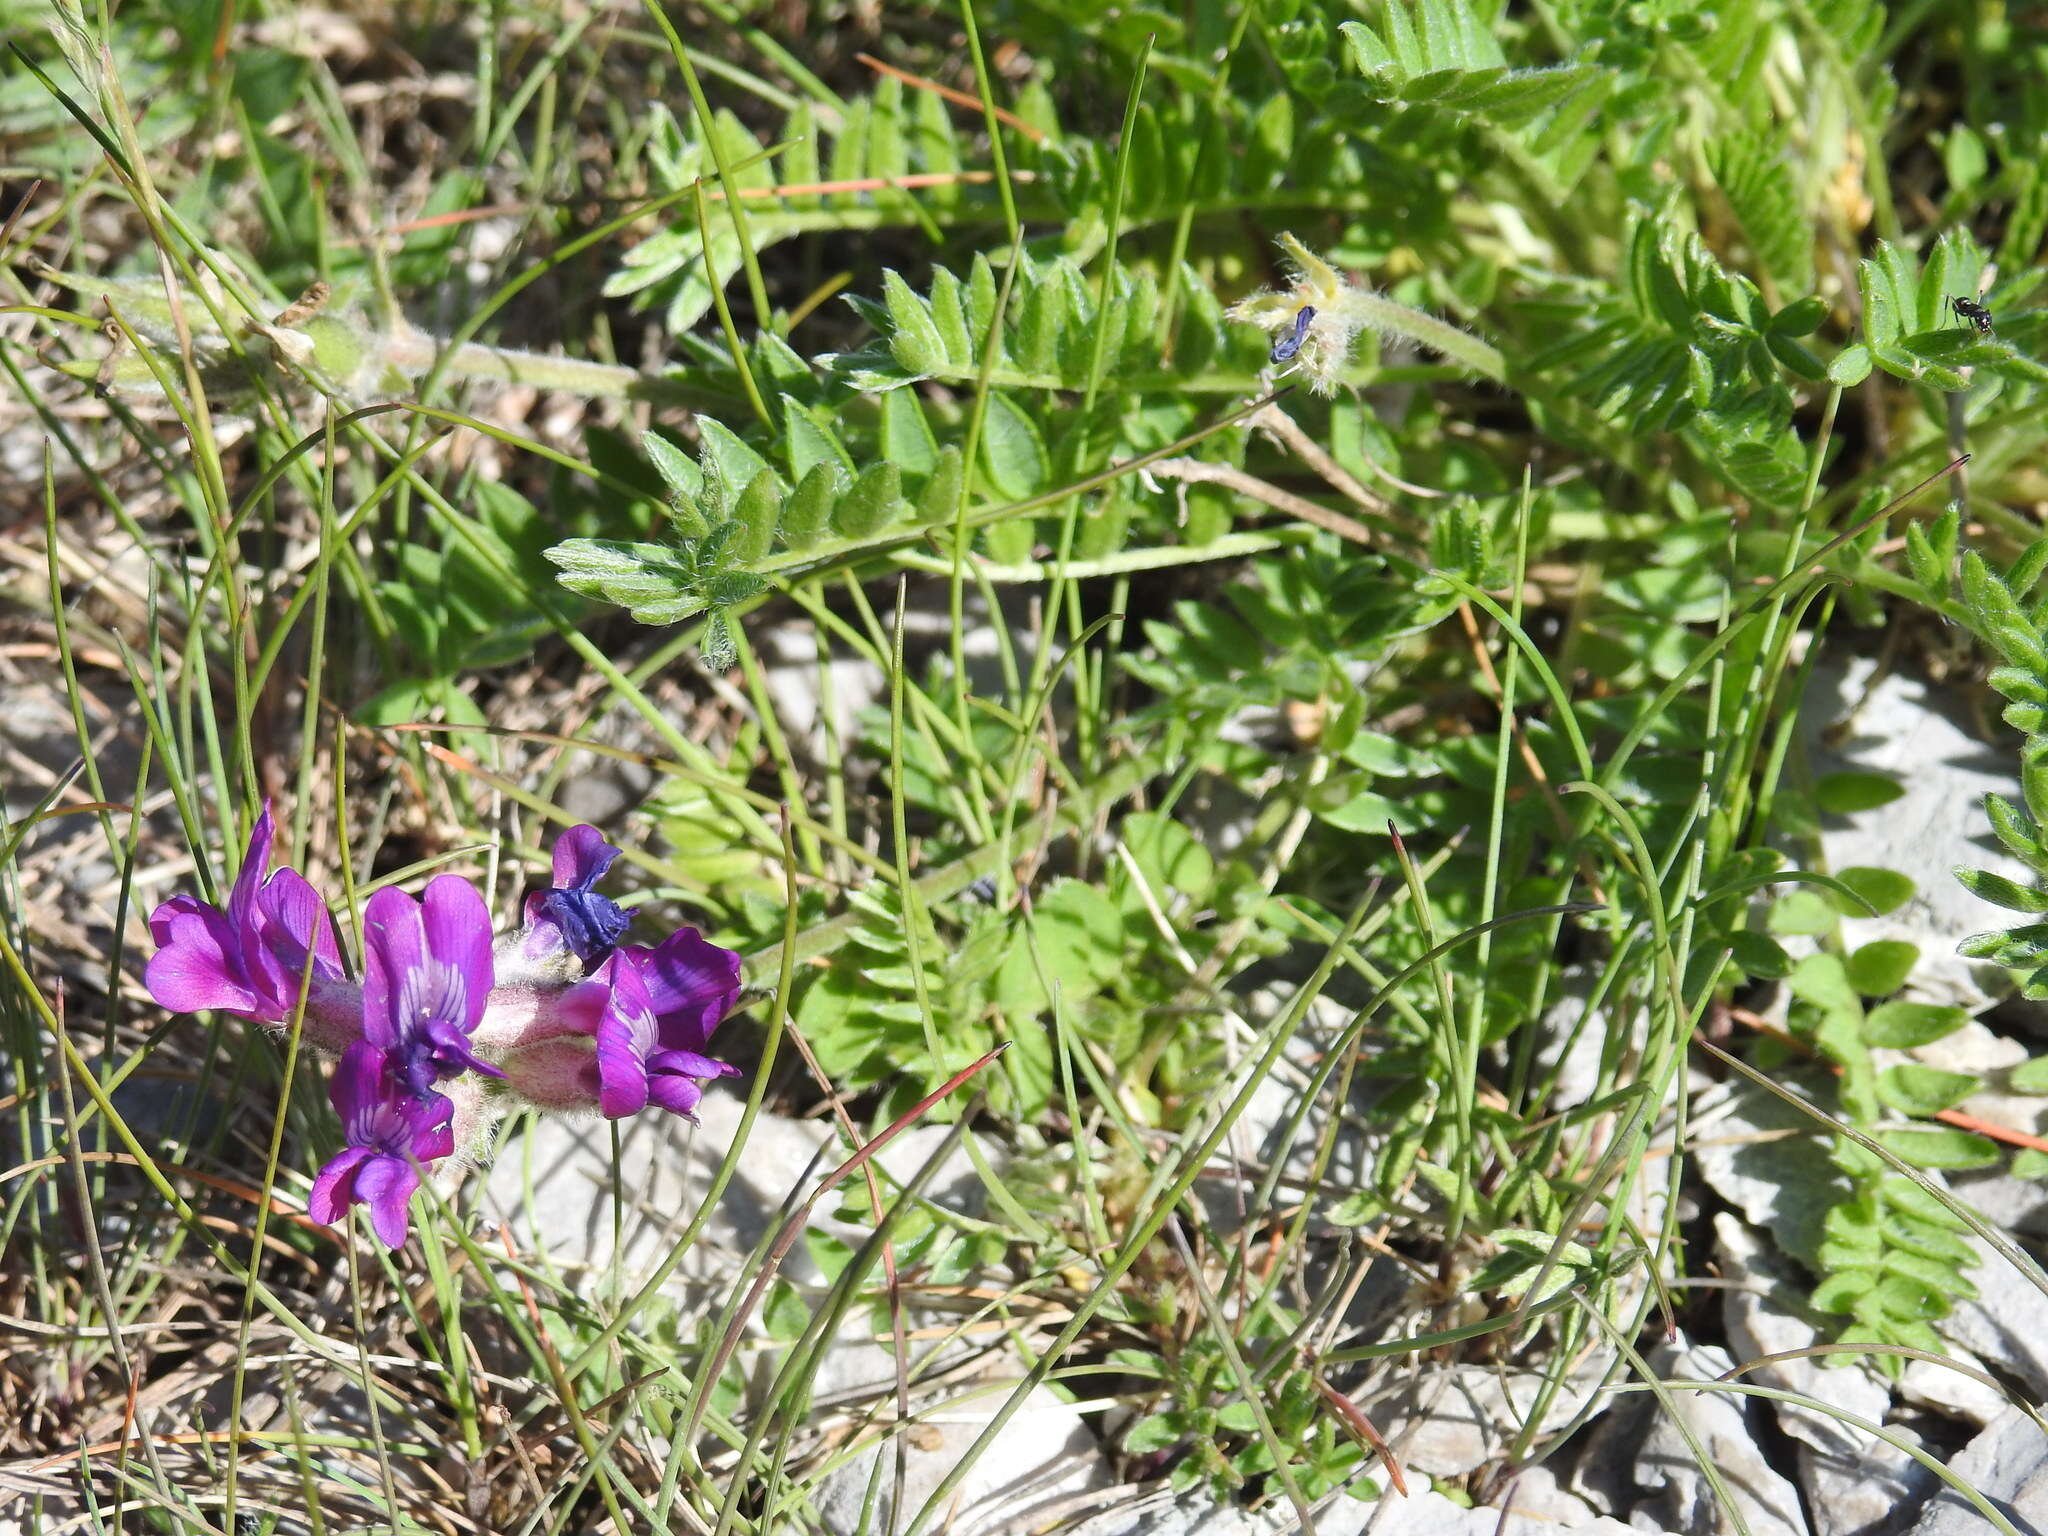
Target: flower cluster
(447, 1029)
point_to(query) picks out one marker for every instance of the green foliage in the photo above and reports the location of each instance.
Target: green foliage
(1444, 54)
(1207, 1433)
(1909, 330)
(1527, 581)
(449, 607)
(1755, 175)
(1683, 344)
(1048, 338)
(2004, 611)
(880, 138)
(1096, 952)
(1295, 630)
(1892, 1259)
(866, 1014)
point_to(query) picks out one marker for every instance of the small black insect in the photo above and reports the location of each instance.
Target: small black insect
(1972, 312)
(984, 889)
(1285, 348)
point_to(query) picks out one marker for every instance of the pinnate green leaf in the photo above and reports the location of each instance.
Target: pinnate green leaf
(1904, 1026)
(1938, 1147)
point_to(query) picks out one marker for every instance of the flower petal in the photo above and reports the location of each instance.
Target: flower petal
(296, 919)
(198, 961)
(334, 1189)
(625, 1038)
(249, 879)
(360, 1090)
(385, 1185)
(692, 984)
(677, 1095)
(588, 923)
(290, 919)
(690, 1064)
(426, 979)
(581, 856)
(457, 925)
(429, 1126)
(394, 949)
(447, 1047)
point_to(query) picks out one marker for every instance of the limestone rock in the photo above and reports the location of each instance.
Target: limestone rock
(2008, 1464)
(1044, 1456)
(1667, 1468)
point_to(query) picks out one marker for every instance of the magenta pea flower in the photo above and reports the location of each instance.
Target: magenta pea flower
(427, 980)
(563, 1015)
(636, 1032)
(391, 1132)
(656, 1026)
(249, 959)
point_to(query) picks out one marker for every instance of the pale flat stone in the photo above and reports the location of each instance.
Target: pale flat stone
(2008, 1464)
(1950, 1393)
(1667, 1469)
(1538, 1495)
(1876, 1494)
(665, 1167)
(1923, 738)
(1768, 1160)
(1764, 1315)
(2007, 1324)
(1044, 1457)
(1447, 1422)
(1421, 1513)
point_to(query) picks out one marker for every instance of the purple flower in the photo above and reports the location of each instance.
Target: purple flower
(426, 979)
(655, 1027)
(249, 959)
(569, 918)
(390, 1131)
(636, 1032)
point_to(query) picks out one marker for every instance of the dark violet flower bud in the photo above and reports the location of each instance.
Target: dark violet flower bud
(249, 959)
(391, 1131)
(426, 979)
(569, 919)
(1285, 348)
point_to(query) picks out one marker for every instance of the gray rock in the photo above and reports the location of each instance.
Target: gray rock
(1877, 1493)
(789, 657)
(1538, 1495)
(1261, 1135)
(2008, 1464)
(605, 790)
(1924, 739)
(554, 1186)
(1571, 1043)
(1667, 1469)
(1952, 1394)
(1855, 1483)
(1768, 1160)
(1447, 1422)
(1764, 1314)
(2018, 1205)
(1421, 1513)
(1602, 1473)
(1045, 1456)
(2007, 1324)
